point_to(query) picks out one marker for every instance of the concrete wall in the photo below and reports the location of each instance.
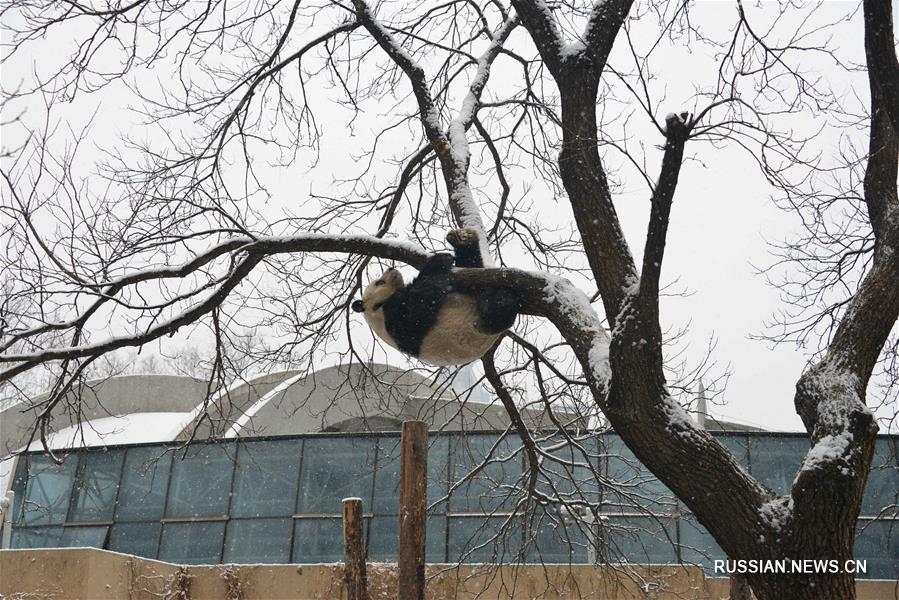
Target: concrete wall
(89, 574)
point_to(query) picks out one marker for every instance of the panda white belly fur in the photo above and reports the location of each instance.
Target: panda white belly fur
(454, 340)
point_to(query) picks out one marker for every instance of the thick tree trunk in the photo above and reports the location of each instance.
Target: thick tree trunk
(739, 588)
(750, 522)
(585, 179)
(803, 587)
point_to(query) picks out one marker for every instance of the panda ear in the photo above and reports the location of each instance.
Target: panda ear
(357, 306)
(394, 278)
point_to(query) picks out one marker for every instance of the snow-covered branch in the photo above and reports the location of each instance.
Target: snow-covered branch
(461, 199)
(430, 116)
(246, 254)
(451, 145)
(606, 19)
(544, 30)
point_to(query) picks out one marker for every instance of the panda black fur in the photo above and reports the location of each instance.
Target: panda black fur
(432, 320)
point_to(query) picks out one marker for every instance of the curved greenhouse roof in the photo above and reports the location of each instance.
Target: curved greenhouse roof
(158, 408)
(108, 398)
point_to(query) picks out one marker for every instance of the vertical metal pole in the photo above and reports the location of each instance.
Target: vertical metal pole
(354, 550)
(6, 504)
(413, 510)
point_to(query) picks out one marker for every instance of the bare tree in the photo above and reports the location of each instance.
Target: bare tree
(176, 230)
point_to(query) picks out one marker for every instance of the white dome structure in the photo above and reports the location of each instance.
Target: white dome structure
(131, 409)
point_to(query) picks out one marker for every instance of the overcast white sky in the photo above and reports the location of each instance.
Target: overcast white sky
(721, 222)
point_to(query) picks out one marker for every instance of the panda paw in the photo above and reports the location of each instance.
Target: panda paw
(467, 236)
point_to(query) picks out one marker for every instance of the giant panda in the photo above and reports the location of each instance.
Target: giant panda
(431, 319)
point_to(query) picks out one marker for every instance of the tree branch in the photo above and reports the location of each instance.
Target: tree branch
(500, 175)
(883, 146)
(880, 51)
(253, 251)
(830, 396)
(451, 146)
(544, 30)
(530, 448)
(606, 19)
(677, 130)
(430, 117)
(577, 77)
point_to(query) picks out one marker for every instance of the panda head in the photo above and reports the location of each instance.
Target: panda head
(378, 292)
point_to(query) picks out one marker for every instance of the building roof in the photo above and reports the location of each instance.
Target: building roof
(158, 408)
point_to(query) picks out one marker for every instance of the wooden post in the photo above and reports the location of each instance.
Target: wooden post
(413, 509)
(354, 550)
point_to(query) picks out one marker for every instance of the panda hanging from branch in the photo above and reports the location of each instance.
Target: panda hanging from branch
(433, 320)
